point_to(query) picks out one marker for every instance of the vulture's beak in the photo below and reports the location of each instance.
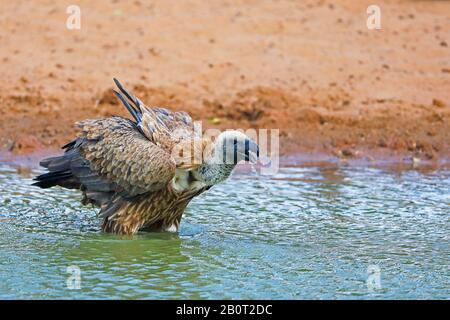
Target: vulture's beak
(251, 151)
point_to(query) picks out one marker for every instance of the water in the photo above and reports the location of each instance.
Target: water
(306, 233)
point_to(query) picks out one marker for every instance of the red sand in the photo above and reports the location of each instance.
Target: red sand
(310, 68)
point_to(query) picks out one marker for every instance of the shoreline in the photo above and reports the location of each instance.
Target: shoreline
(393, 163)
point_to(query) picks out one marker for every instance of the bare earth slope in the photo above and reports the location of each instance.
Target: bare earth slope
(310, 68)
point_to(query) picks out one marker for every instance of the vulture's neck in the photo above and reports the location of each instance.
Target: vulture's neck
(214, 170)
(212, 174)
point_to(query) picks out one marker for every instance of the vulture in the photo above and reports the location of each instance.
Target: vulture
(142, 173)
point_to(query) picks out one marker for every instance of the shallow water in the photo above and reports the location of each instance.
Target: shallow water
(324, 232)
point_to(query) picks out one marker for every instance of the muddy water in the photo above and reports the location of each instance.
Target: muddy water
(325, 232)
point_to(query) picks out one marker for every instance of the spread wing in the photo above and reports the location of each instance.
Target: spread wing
(114, 160)
(157, 122)
(175, 132)
(110, 162)
(117, 151)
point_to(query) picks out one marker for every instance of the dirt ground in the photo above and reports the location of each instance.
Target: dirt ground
(309, 68)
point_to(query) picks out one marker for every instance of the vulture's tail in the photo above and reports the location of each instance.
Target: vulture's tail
(51, 179)
(59, 172)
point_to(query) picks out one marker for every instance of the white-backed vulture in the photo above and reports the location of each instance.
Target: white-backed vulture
(143, 173)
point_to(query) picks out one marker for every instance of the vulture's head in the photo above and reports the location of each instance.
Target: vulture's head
(233, 146)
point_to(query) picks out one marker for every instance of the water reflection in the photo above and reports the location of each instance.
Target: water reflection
(152, 266)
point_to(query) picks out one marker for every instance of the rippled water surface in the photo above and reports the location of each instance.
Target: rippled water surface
(326, 232)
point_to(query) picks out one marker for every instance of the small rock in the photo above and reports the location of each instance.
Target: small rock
(438, 103)
(429, 156)
(382, 143)
(347, 153)
(415, 160)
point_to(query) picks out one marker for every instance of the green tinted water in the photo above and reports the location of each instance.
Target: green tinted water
(323, 232)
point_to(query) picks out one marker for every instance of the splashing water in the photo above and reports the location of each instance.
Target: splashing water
(319, 232)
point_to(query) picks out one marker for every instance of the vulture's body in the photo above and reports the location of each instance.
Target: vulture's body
(138, 172)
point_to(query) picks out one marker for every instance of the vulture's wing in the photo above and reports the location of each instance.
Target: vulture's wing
(114, 160)
(111, 162)
(158, 123)
(167, 129)
(120, 153)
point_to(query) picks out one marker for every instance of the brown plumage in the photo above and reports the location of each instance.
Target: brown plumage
(143, 173)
